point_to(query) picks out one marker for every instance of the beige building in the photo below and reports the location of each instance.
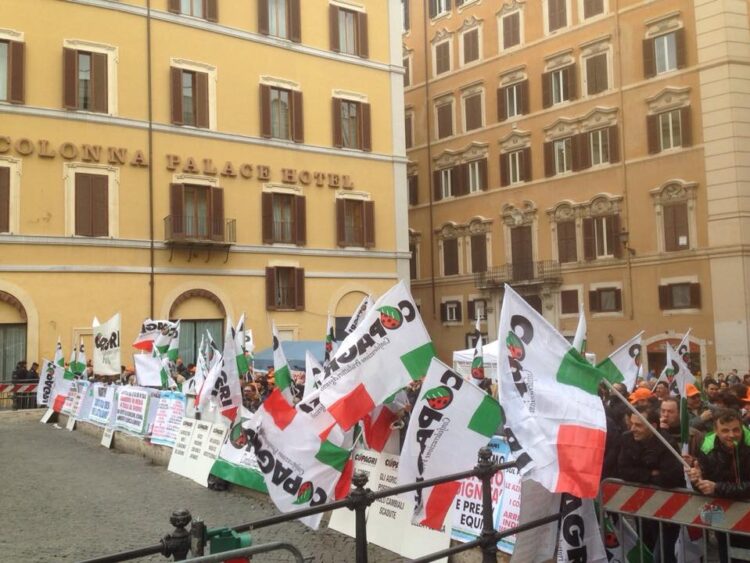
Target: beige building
(196, 159)
(590, 153)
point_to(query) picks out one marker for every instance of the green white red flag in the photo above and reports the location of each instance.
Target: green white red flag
(150, 330)
(236, 462)
(624, 364)
(477, 362)
(78, 359)
(450, 422)
(282, 374)
(389, 348)
(227, 386)
(61, 389)
(300, 470)
(377, 426)
(313, 374)
(579, 340)
(559, 400)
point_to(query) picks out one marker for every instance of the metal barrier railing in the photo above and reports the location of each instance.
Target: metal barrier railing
(181, 541)
(672, 523)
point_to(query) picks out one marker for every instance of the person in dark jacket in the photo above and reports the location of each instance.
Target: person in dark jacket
(723, 469)
(645, 459)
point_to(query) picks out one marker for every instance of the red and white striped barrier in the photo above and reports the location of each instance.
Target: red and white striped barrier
(679, 507)
(18, 387)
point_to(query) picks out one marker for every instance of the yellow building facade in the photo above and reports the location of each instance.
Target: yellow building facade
(591, 153)
(196, 159)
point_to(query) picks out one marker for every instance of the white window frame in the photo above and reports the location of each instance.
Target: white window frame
(545, 15)
(443, 6)
(462, 55)
(465, 95)
(666, 59)
(514, 167)
(585, 75)
(677, 281)
(409, 114)
(501, 34)
(605, 227)
(450, 299)
(609, 285)
(602, 133)
(417, 253)
(515, 105)
(474, 176)
(578, 289)
(15, 166)
(661, 200)
(670, 115)
(70, 169)
(113, 60)
(480, 313)
(561, 164)
(445, 180)
(581, 12)
(451, 312)
(205, 68)
(434, 57)
(408, 75)
(10, 35)
(559, 85)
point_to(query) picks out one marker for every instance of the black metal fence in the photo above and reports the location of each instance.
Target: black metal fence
(182, 541)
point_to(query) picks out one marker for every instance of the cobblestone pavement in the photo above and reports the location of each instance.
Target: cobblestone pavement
(66, 498)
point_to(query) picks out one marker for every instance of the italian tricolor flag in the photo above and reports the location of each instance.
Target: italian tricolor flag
(550, 395)
(61, 389)
(624, 364)
(387, 350)
(299, 468)
(450, 422)
(376, 426)
(281, 373)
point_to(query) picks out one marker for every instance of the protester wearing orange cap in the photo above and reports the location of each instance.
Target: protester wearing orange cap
(640, 397)
(701, 417)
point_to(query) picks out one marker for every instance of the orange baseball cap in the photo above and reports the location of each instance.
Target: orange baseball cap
(691, 390)
(640, 394)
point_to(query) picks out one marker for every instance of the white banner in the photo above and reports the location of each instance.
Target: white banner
(132, 406)
(147, 370)
(46, 383)
(102, 407)
(169, 415)
(107, 347)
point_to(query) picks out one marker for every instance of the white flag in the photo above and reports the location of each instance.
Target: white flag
(107, 347)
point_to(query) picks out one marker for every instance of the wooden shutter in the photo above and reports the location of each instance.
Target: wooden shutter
(618, 299)
(584, 151)
(686, 127)
(341, 222)
(502, 110)
(271, 289)
(596, 74)
(363, 42)
(407, 22)
(369, 223)
(670, 234)
(614, 144)
(299, 289)
(99, 82)
(173, 6)
(217, 214)
(445, 120)
(459, 313)
(83, 205)
(413, 189)
(572, 82)
(461, 187)
(443, 308)
(649, 58)
(664, 297)
(471, 310)
(695, 295)
(471, 45)
(338, 140)
(4, 199)
(265, 111)
(549, 159)
(365, 127)
(266, 204)
(522, 91)
(263, 17)
(70, 79)
(547, 89)
(479, 253)
(505, 169)
(295, 20)
(575, 148)
(300, 220)
(594, 301)
(298, 121)
(201, 100)
(456, 180)
(333, 27)
(16, 73)
(681, 228)
(483, 180)
(450, 257)
(177, 210)
(176, 81)
(569, 301)
(526, 164)
(614, 235)
(437, 185)
(566, 242)
(652, 133)
(99, 205)
(589, 239)
(680, 51)
(212, 10)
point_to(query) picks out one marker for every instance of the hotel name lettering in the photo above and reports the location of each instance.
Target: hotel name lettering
(118, 156)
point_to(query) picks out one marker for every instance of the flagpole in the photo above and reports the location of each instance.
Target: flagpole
(655, 431)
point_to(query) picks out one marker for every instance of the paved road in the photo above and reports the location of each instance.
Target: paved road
(66, 498)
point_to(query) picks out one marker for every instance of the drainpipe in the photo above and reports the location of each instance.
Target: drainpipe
(430, 187)
(152, 258)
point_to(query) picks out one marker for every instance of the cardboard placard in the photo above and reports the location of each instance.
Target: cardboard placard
(168, 419)
(71, 423)
(211, 446)
(107, 437)
(178, 462)
(103, 404)
(47, 415)
(132, 407)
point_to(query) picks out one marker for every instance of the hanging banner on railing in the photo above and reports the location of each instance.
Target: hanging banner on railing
(102, 406)
(367, 462)
(82, 407)
(107, 346)
(46, 383)
(169, 414)
(132, 408)
(237, 462)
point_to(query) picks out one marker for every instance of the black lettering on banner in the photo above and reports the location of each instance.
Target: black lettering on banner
(105, 343)
(452, 379)
(408, 310)
(573, 530)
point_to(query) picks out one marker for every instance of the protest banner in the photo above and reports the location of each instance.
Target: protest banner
(85, 398)
(210, 453)
(132, 407)
(107, 346)
(344, 520)
(69, 399)
(178, 463)
(147, 370)
(389, 522)
(102, 406)
(169, 414)
(46, 383)
(237, 462)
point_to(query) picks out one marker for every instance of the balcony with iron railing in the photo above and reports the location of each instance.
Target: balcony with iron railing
(200, 230)
(529, 273)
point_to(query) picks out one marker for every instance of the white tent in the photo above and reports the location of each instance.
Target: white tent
(462, 360)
